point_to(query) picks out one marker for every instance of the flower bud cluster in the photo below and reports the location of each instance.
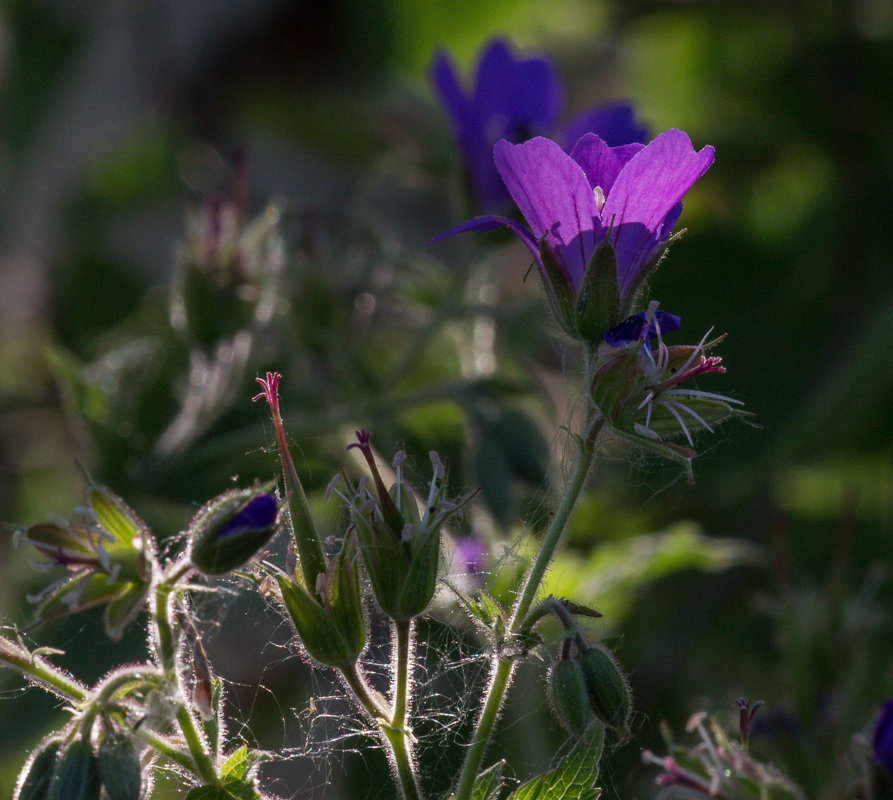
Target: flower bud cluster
(109, 555)
(586, 683)
(76, 770)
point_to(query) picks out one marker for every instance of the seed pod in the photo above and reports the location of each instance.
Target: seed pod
(77, 774)
(569, 696)
(35, 777)
(609, 695)
(230, 529)
(119, 767)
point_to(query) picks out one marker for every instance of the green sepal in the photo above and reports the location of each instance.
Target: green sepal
(421, 578)
(558, 291)
(124, 609)
(119, 767)
(598, 305)
(569, 696)
(713, 412)
(615, 380)
(84, 589)
(323, 641)
(345, 599)
(76, 776)
(116, 517)
(386, 562)
(37, 773)
(609, 694)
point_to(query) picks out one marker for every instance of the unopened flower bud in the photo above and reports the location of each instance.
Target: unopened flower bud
(609, 695)
(77, 774)
(231, 529)
(119, 767)
(569, 696)
(36, 776)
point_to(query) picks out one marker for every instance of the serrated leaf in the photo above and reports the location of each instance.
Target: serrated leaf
(574, 777)
(240, 762)
(488, 784)
(230, 789)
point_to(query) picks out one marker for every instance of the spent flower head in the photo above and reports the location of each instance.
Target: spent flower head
(399, 538)
(641, 391)
(515, 99)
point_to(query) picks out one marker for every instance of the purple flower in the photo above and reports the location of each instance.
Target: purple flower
(628, 197)
(882, 742)
(515, 99)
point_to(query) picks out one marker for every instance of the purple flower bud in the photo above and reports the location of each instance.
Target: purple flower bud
(636, 328)
(231, 529)
(882, 741)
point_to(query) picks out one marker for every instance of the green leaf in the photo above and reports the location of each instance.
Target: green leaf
(574, 777)
(240, 762)
(230, 789)
(488, 784)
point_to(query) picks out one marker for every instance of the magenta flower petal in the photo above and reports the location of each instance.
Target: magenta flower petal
(600, 162)
(555, 197)
(644, 198)
(615, 124)
(489, 223)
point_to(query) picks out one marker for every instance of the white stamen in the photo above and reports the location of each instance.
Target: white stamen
(681, 422)
(646, 432)
(599, 197)
(697, 416)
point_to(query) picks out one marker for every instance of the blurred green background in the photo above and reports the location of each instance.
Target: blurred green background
(769, 578)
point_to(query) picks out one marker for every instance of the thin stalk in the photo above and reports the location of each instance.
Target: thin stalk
(401, 676)
(504, 667)
(38, 671)
(196, 744)
(394, 736)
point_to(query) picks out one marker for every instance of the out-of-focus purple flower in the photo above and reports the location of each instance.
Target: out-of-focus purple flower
(628, 197)
(882, 741)
(471, 554)
(615, 124)
(515, 99)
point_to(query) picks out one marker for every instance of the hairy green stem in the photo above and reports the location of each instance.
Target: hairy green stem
(38, 671)
(401, 675)
(504, 667)
(395, 736)
(196, 744)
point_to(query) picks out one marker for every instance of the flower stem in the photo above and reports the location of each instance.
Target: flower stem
(38, 671)
(504, 667)
(401, 676)
(395, 736)
(196, 744)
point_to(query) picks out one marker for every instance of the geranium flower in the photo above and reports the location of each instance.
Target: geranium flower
(515, 99)
(627, 197)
